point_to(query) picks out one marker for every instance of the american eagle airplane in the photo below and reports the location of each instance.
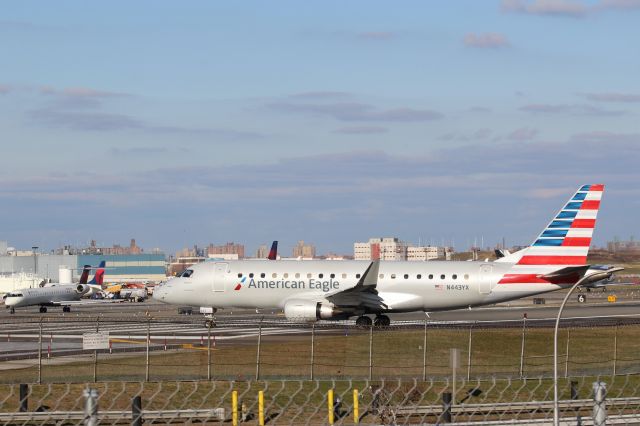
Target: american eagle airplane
(336, 290)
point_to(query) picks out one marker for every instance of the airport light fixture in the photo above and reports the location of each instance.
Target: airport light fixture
(35, 260)
(595, 276)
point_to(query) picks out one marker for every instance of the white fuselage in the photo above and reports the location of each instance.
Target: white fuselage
(402, 286)
(43, 296)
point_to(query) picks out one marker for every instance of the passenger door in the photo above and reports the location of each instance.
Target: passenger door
(219, 276)
(485, 279)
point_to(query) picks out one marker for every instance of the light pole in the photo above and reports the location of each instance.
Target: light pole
(595, 276)
(35, 260)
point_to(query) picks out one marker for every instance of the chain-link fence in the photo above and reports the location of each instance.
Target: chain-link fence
(150, 350)
(583, 400)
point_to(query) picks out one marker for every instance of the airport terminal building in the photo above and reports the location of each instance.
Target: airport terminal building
(119, 268)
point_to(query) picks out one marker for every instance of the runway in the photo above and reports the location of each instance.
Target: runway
(128, 323)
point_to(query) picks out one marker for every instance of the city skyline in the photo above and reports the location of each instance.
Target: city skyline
(328, 122)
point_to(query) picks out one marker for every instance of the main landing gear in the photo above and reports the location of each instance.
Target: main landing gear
(66, 309)
(43, 309)
(379, 321)
(13, 310)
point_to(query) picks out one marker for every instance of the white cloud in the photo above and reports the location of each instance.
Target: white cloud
(486, 40)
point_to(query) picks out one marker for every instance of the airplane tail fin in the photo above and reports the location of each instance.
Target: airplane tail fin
(85, 274)
(98, 278)
(566, 240)
(273, 253)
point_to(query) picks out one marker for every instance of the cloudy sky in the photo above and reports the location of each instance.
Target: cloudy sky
(194, 122)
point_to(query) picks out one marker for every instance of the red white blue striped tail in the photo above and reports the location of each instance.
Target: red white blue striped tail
(564, 242)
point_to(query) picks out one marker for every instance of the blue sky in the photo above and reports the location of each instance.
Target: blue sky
(196, 122)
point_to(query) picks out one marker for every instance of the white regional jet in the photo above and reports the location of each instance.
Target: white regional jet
(334, 290)
(57, 295)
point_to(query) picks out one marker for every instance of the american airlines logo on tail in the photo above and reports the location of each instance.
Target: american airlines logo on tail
(564, 242)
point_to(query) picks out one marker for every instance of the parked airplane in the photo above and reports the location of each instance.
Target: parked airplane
(63, 295)
(273, 253)
(334, 290)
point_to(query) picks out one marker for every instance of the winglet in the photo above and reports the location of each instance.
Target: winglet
(370, 276)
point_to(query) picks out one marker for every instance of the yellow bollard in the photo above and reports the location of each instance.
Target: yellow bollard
(356, 414)
(330, 405)
(234, 408)
(261, 408)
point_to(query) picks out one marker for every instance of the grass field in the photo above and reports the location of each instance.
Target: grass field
(396, 353)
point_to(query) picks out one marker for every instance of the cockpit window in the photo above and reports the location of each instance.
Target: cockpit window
(14, 295)
(187, 273)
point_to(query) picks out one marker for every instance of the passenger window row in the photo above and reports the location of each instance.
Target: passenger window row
(344, 276)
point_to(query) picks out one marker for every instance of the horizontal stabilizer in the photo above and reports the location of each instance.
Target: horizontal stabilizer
(570, 274)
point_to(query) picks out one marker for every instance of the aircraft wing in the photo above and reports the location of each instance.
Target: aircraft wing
(83, 302)
(364, 294)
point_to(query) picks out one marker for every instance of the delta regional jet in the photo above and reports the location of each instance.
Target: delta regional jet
(338, 290)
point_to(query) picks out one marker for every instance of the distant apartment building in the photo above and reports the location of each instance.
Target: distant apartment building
(390, 248)
(226, 249)
(617, 246)
(95, 249)
(305, 251)
(425, 253)
(262, 252)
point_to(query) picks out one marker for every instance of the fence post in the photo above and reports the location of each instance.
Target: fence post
(40, 353)
(136, 411)
(599, 403)
(95, 354)
(356, 410)
(454, 360)
(313, 337)
(258, 353)
(522, 344)
(209, 351)
(261, 408)
(91, 407)
(566, 357)
(371, 352)
(330, 406)
(469, 347)
(146, 372)
(446, 407)
(615, 350)
(424, 353)
(24, 398)
(234, 408)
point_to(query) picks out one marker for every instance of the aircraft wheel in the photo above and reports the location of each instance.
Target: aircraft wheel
(13, 310)
(43, 310)
(582, 298)
(382, 321)
(209, 323)
(66, 309)
(363, 321)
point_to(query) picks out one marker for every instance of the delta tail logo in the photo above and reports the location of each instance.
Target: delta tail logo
(239, 285)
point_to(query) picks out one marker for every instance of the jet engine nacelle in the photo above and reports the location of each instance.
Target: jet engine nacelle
(82, 288)
(305, 310)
